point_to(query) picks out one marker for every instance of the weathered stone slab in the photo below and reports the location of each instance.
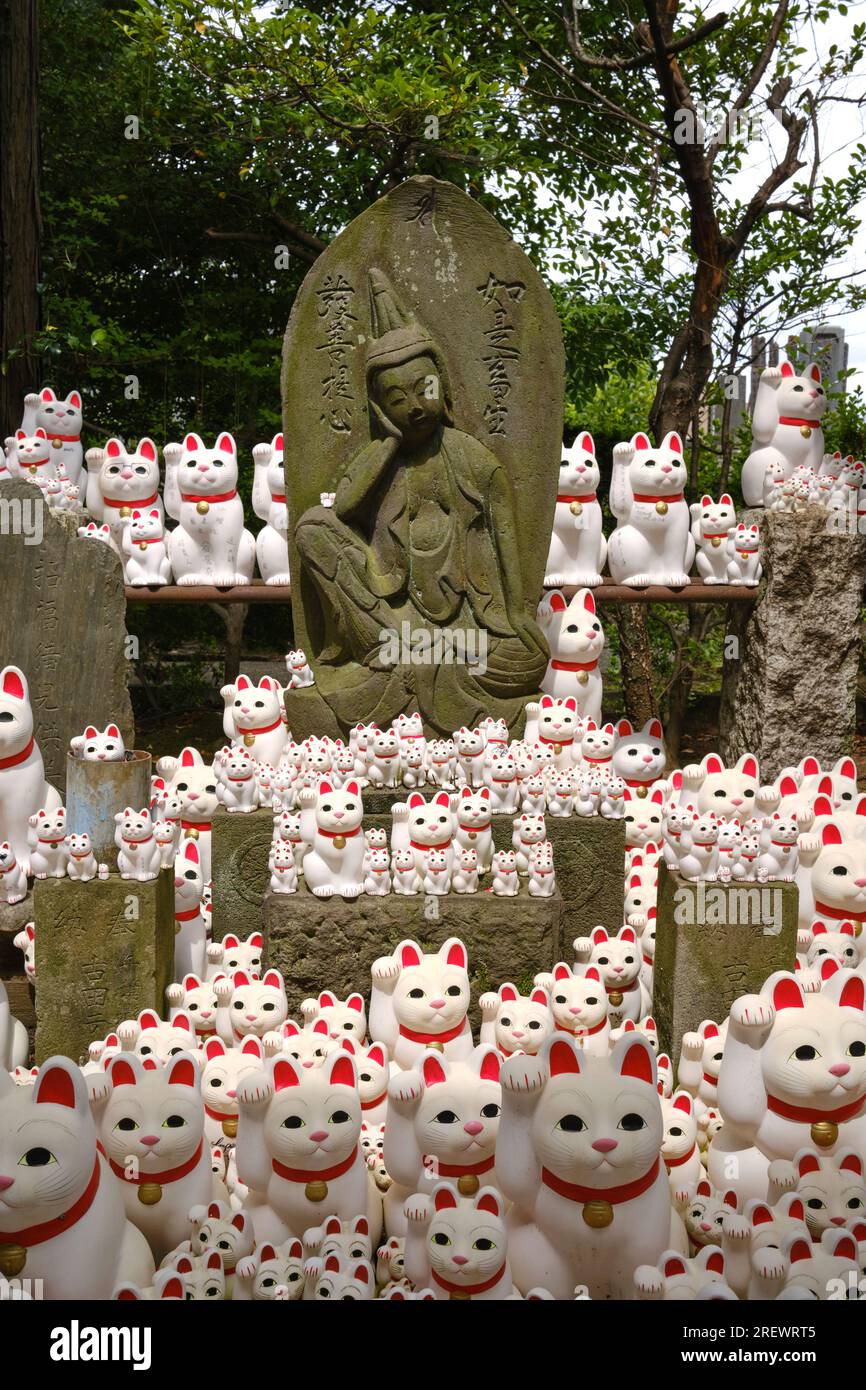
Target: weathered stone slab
(441, 514)
(106, 951)
(588, 855)
(319, 943)
(791, 687)
(715, 942)
(63, 622)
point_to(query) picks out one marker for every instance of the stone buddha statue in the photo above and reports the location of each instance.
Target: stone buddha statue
(420, 535)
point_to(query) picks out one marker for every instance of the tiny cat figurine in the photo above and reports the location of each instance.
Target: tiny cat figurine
(211, 544)
(418, 999)
(237, 786)
(23, 788)
(652, 543)
(377, 874)
(62, 1221)
(49, 851)
(271, 1272)
(577, 547)
(576, 640)
(457, 1245)
(95, 747)
(62, 421)
(230, 954)
(554, 724)
(529, 831)
(744, 566)
(25, 940)
(832, 1190)
(513, 1022)
(121, 482)
(786, 426)
(793, 1074)
(196, 998)
(284, 873)
(346, 1018)
(151, 1124)
(501, 780)
(203, 1275)
(13, 879)
(676, 1279)
(299, 669)
(618, 961)
(81, 861)
(470, 746)
(190, 941)
(383, 763)
(711, 525)
(138, 854)
(269, 504)
(298, 1146)
(216, 1227)
(591, 1195)
(405, 878)
(144, 549)
(680, 1150)
(505, 881)
(464, 878)
(331, 825)
(579, 1005)
(437, 875)
(35, 457)
(704, 1211)
(542, 879)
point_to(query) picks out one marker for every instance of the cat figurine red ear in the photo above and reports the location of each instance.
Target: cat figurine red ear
(211, 544)
(786, 427)
(652, 543)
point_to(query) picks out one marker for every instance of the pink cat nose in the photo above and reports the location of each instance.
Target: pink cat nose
(647, 757)
(150, 1139)
(5, 1182)
(473, 1127)
(251, 1018)
(861, 882)
(460, 1260)
(517, 1032)
(605, 1146)
(178, 882)
(202, 468)
(840, 1069)
(667, 468)
(736, 801)
(308, 1065)
(338, 815)
(437, 1003)
(705, 1226)
(573, 1010)
(231, 1094)
(127, 473)
(319, 1135)
(837, 1220)
(192, 796)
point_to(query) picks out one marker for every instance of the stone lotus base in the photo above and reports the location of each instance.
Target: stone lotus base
(330, 942)
(715, 942)
(105, 952)
(587, 852)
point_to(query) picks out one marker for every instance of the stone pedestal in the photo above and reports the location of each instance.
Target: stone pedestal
(96, 791)
(789, 686)
(715, 942)
(587, 853)
(63, 622)
(328, 943)
(105, 951)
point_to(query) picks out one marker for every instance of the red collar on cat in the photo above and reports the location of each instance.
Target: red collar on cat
(653, 497)
(17, 757)
(445, 844)
(47, 1230)
(460, 1170)
(216, 497)
(807, 1116)
(572, 666)
(196, 825)
(575, 497)
(129, 501)
(377, 1100)
(580, 1032)
(677, 1162)
(335, 834)
(186, 916)
(320, 1175)
(265, 728)
(448, 1036)
(167, 1176)
(795, 420)
(468, 1290)
(838, 915)
(66, 438)
(560, 742)
(614, 1195)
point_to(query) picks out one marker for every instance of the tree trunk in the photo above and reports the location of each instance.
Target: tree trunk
(20, 220)
(234, 615)
(636, 662)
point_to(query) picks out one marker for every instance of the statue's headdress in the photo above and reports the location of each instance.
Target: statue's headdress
(397, 337)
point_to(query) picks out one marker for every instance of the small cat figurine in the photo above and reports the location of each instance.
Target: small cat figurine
(271, 1272)
(237, 785)
(249, 1006)
(230, 954)
(269, 504)
(346, 1018)
(144, 549)
(464, 878)
(505, 881)
(284, 872)
(457, 1245)
(473, 828)
(542, 878)
(418, 999)
(786, 426)
(405, 878)
(674, 1278)
(211, 544)
(25, 940)
(576, 640)
(196, 998)
(81, 861)
(711, 524)
(579, 1005)
(513, 1022)
(832, 1190)
(36, 459)
(253, 716)
(194, 782)
(13, 879)
(424, 826)
(331, 825)
(652, 543)
(49, 851)
(95, 747)
(437, 874)
(744, 565)
(577, 547)
(138, 855)
(470, 746)
(618, 961)
(529, 831)
(222, 1070)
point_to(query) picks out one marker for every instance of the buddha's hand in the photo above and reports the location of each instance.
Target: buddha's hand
(528, 632)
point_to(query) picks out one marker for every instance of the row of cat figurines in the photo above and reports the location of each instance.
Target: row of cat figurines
(591, 1151)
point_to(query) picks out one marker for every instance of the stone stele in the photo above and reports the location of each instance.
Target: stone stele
(714, 942)
(64, 623)
(790, 688)
(106, 951)
(422, 416)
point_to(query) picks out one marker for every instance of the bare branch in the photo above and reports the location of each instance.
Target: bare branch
(759, 68)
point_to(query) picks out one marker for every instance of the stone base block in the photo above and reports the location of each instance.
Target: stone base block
(588, 853)
(320, 943)
(106, 951)
(715, 942)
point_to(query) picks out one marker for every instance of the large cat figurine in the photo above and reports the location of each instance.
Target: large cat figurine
(151, 1122)
(269, 503)
(298, 1149)
(23, 788)
(420, 1000)
(61, 1214)
(786, 427)
(578, 1154)
(793, 1074)
(119, 481)
(211, 544)
(652, 543)
(577, 546)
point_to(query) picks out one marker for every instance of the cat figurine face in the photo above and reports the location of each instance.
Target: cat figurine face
(432, 991)
(58, 417)
(197, 998)
(308, 1046)
(343, 1279)
(156, 1040)
(34, 454)
(254, 1006)
(153, 1115)
(557, 720)
(193, 780)
(579, 1003)
(222, 1070)
(128, 478)
(203, 1276)
(831, 1189)
(643, 817)
(715, 519)
(837, 942)
(597, 744)
(639, 756)
(274, 1272)
(705, 1214)
(431, 824)
(521, 1023)
(233, 954)
(345, 1018)
(457, 1116)
(466, 1240)
(729, 792)
(105, 747)
(838, 876)
(217, 1227)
